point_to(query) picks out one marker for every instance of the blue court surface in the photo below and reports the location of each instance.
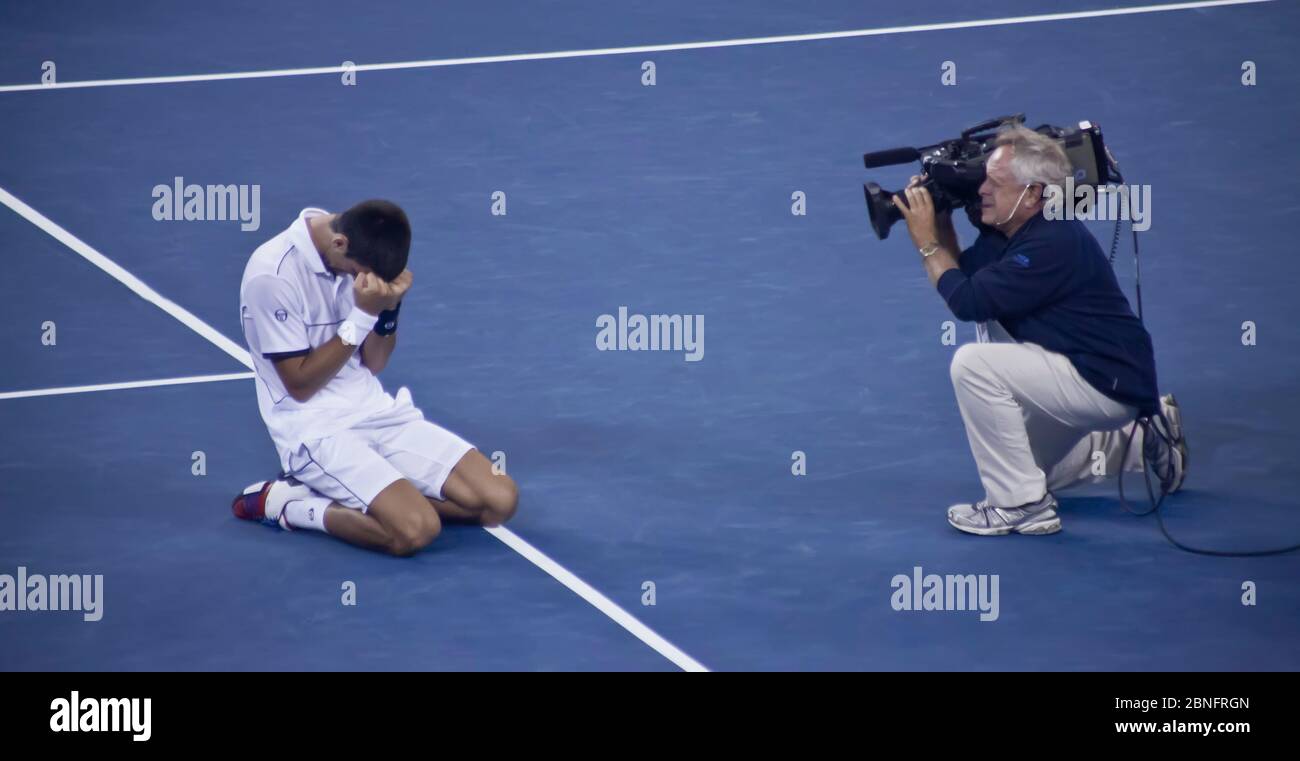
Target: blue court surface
(634, 467)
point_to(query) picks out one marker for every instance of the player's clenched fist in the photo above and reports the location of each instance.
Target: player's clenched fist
(371, 293)
(399, 286)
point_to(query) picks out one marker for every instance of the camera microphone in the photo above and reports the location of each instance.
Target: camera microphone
(890, 157)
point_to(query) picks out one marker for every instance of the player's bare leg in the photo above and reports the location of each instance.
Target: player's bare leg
(398, 521)
(356, 527)
(475, 494)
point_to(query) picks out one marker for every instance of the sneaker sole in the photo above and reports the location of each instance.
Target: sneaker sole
(1038, 526)
(249, 490)
(278, 524)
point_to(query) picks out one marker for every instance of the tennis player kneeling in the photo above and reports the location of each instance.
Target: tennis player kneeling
(319, 305)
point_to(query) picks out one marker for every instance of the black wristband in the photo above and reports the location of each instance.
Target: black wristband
(386, 324)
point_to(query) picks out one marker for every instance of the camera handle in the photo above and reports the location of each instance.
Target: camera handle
(992, 124)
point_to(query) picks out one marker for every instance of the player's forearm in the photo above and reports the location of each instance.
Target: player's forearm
(376, 350)
(379, 345)
(304, 376)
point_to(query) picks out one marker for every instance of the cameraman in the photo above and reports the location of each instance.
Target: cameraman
(1063, 368)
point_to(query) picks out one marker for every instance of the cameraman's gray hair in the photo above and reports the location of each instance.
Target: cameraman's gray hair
(1035, 157)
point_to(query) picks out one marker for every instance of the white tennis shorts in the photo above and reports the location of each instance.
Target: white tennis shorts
(353, 466)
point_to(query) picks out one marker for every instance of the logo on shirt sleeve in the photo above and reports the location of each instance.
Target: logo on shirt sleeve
(1020, 260)
(281, 315)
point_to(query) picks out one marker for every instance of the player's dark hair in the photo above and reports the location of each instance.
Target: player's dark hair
(379, 236)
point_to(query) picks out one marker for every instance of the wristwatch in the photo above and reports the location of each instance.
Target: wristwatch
(930, 250)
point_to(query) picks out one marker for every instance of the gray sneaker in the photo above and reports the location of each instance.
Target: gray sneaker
(985, 520)
(1164, 447)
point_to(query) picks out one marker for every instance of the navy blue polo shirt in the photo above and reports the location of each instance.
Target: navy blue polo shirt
(1051, 285)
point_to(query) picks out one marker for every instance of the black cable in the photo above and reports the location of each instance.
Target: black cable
(1137, 274)
(1148, 426)
(1114, 240)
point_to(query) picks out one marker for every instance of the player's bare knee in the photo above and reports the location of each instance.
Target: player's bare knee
(432, 525)
(408, 540)
(414, 531)
(401, 546)
(426, 528)
(502, 499)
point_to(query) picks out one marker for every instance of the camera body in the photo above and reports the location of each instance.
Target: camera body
(954, 169)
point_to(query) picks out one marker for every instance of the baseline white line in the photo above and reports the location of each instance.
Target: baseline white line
(126, 384)
(433, 63)
(598, 600)
(126, 278)
(511, 540)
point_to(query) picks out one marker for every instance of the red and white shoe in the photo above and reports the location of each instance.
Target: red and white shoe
(265, 500)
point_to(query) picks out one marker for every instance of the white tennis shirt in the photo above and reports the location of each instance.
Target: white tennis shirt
(290, 303)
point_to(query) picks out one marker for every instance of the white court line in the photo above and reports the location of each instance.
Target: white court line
(433, 63)
(511, 540)
(126, 278)
(127, 384)
(598, 600)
